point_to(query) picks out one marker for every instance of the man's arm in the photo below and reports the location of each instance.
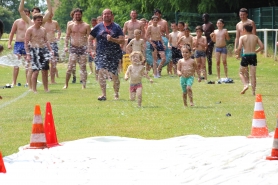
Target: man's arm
(58, 30)
(68, 33)
(142, 30)
(22, 13)
(90, 43)
(237, 38)
(27, 40)
(166, 29)
(48, 12)
(254, 30)
(13, 30)
(125, 27)
(119, 40)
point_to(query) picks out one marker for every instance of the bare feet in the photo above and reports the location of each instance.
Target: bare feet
(244, 89)
(191, 104)
(83, 86)
(46, 90)
(65, 87)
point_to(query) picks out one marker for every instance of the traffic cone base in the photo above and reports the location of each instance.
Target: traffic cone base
(259, 133)
(2, 165)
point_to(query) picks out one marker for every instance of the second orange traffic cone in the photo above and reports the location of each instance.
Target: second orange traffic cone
(37, 140)
(2, 165)
(274, 152)
(49, 127)
(259, 127)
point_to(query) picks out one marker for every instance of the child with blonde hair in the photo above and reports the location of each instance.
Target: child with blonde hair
(135, 72)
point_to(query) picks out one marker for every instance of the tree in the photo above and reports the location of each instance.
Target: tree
(7, 17)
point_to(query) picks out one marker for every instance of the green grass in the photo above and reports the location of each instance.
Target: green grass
(78, 113)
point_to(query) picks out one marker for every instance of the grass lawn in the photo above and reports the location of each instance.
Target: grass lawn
(78, 113)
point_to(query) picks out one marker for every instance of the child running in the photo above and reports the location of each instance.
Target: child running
(173, 45)
(186, 69)
(220, 36)
(200, 44)
(135, 72)
(153, 35)
(137, 44)
(248, 41)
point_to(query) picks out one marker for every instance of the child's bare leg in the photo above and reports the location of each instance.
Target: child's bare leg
(190, 95)
(139, 96)
(244, 76)
(184, 97)
(217, 56)
(45, 80)
(175, 69)
(34, 80)
(199, 62)
(224, 59)
(83, 70)
(203, 59)
(163, 60)
(116, 85)
(154, 54)
(132, 96)
(253, 79)
(170, 68)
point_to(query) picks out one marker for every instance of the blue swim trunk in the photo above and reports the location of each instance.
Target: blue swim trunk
(199, 53)
(186, 81)
(176, 55)
(249, 59)
(159, 46)
(19, 48)
(221, 50)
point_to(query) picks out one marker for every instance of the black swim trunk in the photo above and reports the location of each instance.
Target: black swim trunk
(249, 59)
(176, 55)
(159, 46)
(81, 50)
(39, 58)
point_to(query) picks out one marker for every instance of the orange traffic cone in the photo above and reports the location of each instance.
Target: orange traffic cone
(259, 128)
(274, 152)
(2, 165)
(49, 127)
(37, 140)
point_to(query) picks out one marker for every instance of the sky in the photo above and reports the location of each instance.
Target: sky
(190, 159)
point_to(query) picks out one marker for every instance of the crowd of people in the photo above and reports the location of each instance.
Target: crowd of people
(104, 42)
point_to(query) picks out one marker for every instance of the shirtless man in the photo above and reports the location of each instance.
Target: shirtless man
(133, 24)
(153, 35)
(243, 15)
(29, 23)
(37, 53)
(52, 27)
(77, 32)
(19, 29)
(208, 29)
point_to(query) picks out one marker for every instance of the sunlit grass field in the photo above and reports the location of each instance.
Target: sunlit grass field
(78, 113)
